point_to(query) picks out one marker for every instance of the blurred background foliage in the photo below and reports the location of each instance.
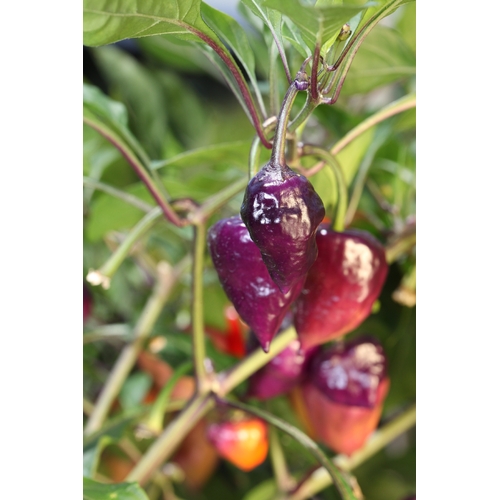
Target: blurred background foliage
(186, 118)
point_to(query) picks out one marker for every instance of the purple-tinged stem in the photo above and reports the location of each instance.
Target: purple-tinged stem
(283, 59)
(353, 46)
(224, 55)
(314, 73)
(139, 170)
(279, 141)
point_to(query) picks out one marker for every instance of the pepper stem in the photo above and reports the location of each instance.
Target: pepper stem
(279, 141)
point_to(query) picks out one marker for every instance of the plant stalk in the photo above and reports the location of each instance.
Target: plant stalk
(128, 356)
(154, 421)
(197, 308)
(197, 407)
(278, 156)
(306, 111)
(407, 102)
(400, 246)
(223, 53)
(381, 135)
(394, 108)
(118, 193)
(281, 53)
(138, 167)
(254, 156)
(231, 378)
(104, 274)
(314, 72)
(170, 439)
(212, 204)
(88, 407)
(343, 64)
(284, 481)
(273, 80)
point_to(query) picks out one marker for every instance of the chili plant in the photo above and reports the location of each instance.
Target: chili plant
(244, 178)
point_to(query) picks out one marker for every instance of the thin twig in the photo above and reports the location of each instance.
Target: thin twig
(128, 356)
(118, 193)
(235, 71)
(140, 169)
(284, 480)
(103, 275)
(398, 106)
(314, 73)
(170, 439)
(197, 307)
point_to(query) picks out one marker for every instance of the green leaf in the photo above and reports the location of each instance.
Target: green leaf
(235, 37)
(114, 429)
(198, 176)
(327, 3)
(132, 84)
(95, 162)
(383, 58)
(98, 155)
(272, 18)
(92, 455)
(175, 54)
(340, 74)
(228, 152)
(381, 133)
(227, 76)
(200, 182)
(407, 121)
(117, 193)
(155, 419)
(104, 107)
(267, 490)
(293, 35)
(108, 213)
(122, 331)
(314, 20)
(183, 101)
(407, 25)
(112, 114)
(109, 21)
(350, 157)
(134, 389)
(92, 490)
(326, 186)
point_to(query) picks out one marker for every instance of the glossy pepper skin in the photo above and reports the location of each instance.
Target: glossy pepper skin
(282, 211)
(244, 443)
(246, 281)
(341, 287)
(350, 373)
(344, 393)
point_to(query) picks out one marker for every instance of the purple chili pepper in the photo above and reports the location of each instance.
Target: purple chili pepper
(246, 281)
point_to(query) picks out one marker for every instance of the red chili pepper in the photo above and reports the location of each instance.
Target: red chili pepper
(244, 443)
(230, 341)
